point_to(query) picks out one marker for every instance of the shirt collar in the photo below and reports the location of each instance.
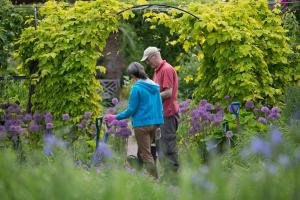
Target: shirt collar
(160, 66)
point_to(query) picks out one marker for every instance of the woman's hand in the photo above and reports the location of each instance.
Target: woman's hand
(109, 117)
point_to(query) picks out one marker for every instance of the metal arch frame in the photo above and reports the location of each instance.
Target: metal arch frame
(163, 6)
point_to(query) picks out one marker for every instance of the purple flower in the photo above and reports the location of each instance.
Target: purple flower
(87, 115)
(49, 126)
(228, 134)
(16, 129)
(125, 132)
(274, 116)
(2, 129)
(14, 108)
(48, 118)
(123, 124)
(209, 106)
(27, 117)
(203, 102)
(49, 142)
(34, 128)
(259, 146)
(37, 117)
(276, 136)
(114, 122)
(65, 117)
(19, 117)
(262, 120)
(94, 127)
(249, 105)
(102, 151)
(265, 110)
(115, 101)
(283, 160)
(227, 97)
(183, 109)
(275, 110)
(80, 126)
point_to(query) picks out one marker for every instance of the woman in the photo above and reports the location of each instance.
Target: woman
(145, 109)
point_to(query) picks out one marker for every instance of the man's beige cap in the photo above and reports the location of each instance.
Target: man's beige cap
(149, 51)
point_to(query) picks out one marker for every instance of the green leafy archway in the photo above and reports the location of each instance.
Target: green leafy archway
(66, 44)
(245, 50)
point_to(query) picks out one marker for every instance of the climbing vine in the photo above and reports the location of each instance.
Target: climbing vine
(245, 52)
(65, 45)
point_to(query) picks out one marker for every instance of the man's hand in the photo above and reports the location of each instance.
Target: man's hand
(167, 93)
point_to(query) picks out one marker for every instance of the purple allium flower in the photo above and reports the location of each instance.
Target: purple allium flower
(87, 115)
(261, 147)
(80, 126)
(115, 101)
(14, 108)
(102, 151)
(228, 134)
(125, 132)
(275, 110)
(12, 128)
(8, 123)
(283, 160)
(249, 105)
(65, 117)
(94, 127)
(34, 128)
(114, 122)
(265, 110)
(27, 117)
(123, 124)
(2, 129)
(49, 142)
(276, 136)
(227, 97)
(262, 120)
(209, 106)
(203, 102)
(183, 109)
(49, 126)
(19, 117)
(48, 118)
(37, 117)
(274, 116)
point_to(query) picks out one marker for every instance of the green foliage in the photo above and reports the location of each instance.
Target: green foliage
(13, 91)
(11, 24)
(66, 44)
(151, 34)
(246, 52)
(292, 108)
(58, 178)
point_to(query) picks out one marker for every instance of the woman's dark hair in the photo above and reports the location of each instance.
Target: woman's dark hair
(137, 70)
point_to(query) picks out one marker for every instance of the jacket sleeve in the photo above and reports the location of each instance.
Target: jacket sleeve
(132, 105)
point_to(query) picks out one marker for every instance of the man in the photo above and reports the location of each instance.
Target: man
(165, 75)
